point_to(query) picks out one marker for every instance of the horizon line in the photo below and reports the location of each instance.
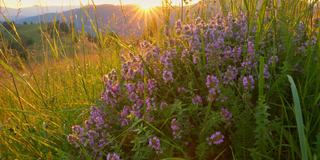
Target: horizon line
(4, 5)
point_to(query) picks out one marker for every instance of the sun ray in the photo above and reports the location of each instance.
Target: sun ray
(148, 5)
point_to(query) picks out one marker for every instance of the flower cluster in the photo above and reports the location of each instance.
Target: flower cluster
(94, 134)
(201, 64)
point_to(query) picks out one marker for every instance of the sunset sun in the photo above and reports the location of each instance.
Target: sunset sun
(149, 5)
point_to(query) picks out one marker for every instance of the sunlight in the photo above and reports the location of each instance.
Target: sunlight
(149, 5)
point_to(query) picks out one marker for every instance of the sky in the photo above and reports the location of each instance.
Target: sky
(28, 3)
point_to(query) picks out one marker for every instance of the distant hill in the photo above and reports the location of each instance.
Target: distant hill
(10, 13)
(124, 20)
(119, 18)
(18, 14)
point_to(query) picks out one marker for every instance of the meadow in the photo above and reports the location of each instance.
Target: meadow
(239, 83)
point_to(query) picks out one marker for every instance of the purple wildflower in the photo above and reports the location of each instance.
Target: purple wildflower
(111, 76)
(246, 81)
(185, 53)
(212, 81)
(96, 118)
(151, 86)
(145, 44)
(246, 64)
(226, 114)
(102, 143)
(216, 138)
(136, 108)
(273, 60)
(112, 90)
(140, 87)
(238, 52)
(167, 76)
(77, 130)
(212, 84)
(155, 52)
(250, 48)
(136, 113)
(133, 68)
(175, 128)
(92, 136)
(150, 104)
(219, 43)
(133, 97)
(266, 72)
(227, 53)
(197, 100)
(154, 143)
(123, 116)
(213, 93)
(166, 59)
(178, 27)
(230, 75)
(195, 59)
(72, 139)
(113, 156)
(187, 30)
(251, 81)
(130, 87)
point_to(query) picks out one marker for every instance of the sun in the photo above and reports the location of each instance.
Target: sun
(148, 5)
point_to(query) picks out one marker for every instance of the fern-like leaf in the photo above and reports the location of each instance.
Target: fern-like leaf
(261, 116)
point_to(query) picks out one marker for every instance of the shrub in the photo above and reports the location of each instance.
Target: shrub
(191, 96)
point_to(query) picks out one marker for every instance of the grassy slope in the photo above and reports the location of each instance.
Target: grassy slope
(51, 97)
(30, 31)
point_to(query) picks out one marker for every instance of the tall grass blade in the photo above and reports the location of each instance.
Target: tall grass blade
(318, 146)
(299, 119)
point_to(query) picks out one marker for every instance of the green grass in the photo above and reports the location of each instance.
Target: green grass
(39, 105)
(30, 31)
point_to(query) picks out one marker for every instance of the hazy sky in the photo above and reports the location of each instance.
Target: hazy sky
(27, 3)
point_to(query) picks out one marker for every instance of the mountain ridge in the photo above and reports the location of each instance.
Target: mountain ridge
(124, 20)
(16, 14)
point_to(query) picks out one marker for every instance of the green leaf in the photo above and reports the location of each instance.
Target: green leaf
(304, 147)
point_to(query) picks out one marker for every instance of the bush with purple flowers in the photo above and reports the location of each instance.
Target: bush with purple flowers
(189, 96)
